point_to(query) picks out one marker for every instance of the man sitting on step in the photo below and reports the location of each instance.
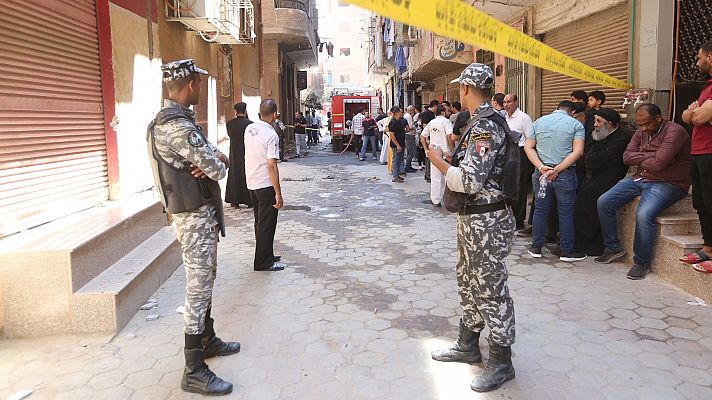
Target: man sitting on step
(661, 151)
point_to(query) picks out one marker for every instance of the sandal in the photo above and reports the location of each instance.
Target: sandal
(704, 267)
(695, 258)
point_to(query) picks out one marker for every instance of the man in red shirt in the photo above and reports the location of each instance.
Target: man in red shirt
(699, 114)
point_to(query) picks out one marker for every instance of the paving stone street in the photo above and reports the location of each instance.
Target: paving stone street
(368, 292)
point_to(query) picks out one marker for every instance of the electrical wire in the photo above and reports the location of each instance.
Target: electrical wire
(676, 62)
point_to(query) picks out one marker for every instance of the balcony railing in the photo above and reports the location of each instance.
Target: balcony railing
(300, 5)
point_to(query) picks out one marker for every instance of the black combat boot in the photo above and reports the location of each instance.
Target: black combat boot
(212, 344)
(465, 349)
(198, 378)
(499, 369)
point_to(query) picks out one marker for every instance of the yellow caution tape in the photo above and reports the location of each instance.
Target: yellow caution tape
(460, 21)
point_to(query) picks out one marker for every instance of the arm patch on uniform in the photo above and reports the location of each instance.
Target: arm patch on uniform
(482, 136)
(483, 146)
(195, 139)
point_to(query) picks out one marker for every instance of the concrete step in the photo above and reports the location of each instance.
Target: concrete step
(667, 266)
(109, 301)
(47, 264)
(679, 223)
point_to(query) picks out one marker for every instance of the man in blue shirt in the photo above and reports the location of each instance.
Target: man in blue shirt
(556, 142)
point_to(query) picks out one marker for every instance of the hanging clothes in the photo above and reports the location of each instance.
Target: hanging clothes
(401, 60)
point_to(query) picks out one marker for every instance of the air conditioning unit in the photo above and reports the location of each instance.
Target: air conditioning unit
(217, 21)
(410, 35)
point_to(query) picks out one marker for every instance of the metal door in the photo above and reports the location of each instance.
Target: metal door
(600, 41)
(53, 158)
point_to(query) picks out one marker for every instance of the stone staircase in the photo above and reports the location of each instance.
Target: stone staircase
(88, 272)
(678, 234)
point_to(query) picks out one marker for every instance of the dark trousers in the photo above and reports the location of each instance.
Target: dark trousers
(263, 201)
(702, 193)
(519, 206)
(358, 142)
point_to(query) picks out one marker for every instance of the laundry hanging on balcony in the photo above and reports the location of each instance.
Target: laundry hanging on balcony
(401, 59)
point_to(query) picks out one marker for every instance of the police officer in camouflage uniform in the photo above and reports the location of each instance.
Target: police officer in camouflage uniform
(186, 168)
(484, 235)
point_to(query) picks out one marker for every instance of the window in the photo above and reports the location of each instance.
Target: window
(345, 51)
(344, 79)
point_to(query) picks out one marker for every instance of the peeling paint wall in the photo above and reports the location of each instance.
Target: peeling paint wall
(138, 94)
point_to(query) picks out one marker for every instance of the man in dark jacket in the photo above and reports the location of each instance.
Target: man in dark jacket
(604, 168)
(236, 192)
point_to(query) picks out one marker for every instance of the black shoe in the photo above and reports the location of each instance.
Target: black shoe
(534, 251)
(526, 232)
(498, 371)
(574, 256)
(213, 346)
(271, 268)
(198, 378)
(554, 248)
(411, 170)
(637, 272)
(465, 349)
(298, 156)
(437, 205)
(277, 258)
(610, 256)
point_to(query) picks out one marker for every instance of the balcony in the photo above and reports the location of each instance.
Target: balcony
(300, 5)
(293, 24)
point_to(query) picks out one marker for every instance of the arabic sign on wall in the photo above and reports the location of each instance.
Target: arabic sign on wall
(451, 50)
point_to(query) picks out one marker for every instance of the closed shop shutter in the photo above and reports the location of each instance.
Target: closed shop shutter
(600, 41)
(53, 157)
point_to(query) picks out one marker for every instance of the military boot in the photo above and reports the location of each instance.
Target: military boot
(499, 369)
(198, 378)
(465, 349)
(212, 344)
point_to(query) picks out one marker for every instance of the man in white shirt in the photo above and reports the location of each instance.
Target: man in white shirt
(437, 133)
(519, 121)
(410, 146)
(357, 127)
(261, 155)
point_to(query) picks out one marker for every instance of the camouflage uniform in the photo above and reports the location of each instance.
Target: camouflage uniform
(181, 143)
(484, 240)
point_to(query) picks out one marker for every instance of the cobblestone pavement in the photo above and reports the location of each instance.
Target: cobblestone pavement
(369, 291)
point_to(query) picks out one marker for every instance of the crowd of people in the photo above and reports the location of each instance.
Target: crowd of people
(573, 161)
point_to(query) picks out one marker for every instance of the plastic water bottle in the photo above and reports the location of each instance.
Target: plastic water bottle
(542, 186)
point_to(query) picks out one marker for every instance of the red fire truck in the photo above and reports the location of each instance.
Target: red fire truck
(346, 106)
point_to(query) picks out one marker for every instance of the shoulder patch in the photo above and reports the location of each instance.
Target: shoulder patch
(483, 146)
(195, 139)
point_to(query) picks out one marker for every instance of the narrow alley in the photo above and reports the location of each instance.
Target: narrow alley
(368, 292)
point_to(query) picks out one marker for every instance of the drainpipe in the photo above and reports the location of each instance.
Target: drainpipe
(260, 40)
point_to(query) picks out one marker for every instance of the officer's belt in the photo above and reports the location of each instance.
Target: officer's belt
(483, 208)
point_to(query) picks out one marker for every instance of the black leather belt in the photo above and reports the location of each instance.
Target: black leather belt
(484, 208)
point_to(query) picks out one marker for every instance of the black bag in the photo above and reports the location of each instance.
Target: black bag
(510, 174)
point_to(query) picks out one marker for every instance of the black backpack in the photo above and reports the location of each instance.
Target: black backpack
(511, 170)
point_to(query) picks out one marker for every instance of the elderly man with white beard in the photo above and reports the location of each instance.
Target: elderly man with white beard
(604, 168)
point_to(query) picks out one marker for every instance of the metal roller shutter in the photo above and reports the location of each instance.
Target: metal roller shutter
(600, 41)
(52, 142)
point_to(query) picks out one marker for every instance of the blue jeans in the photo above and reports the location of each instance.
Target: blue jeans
(655, 197)
(397, 166)
(564, 187)
(374, 146)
